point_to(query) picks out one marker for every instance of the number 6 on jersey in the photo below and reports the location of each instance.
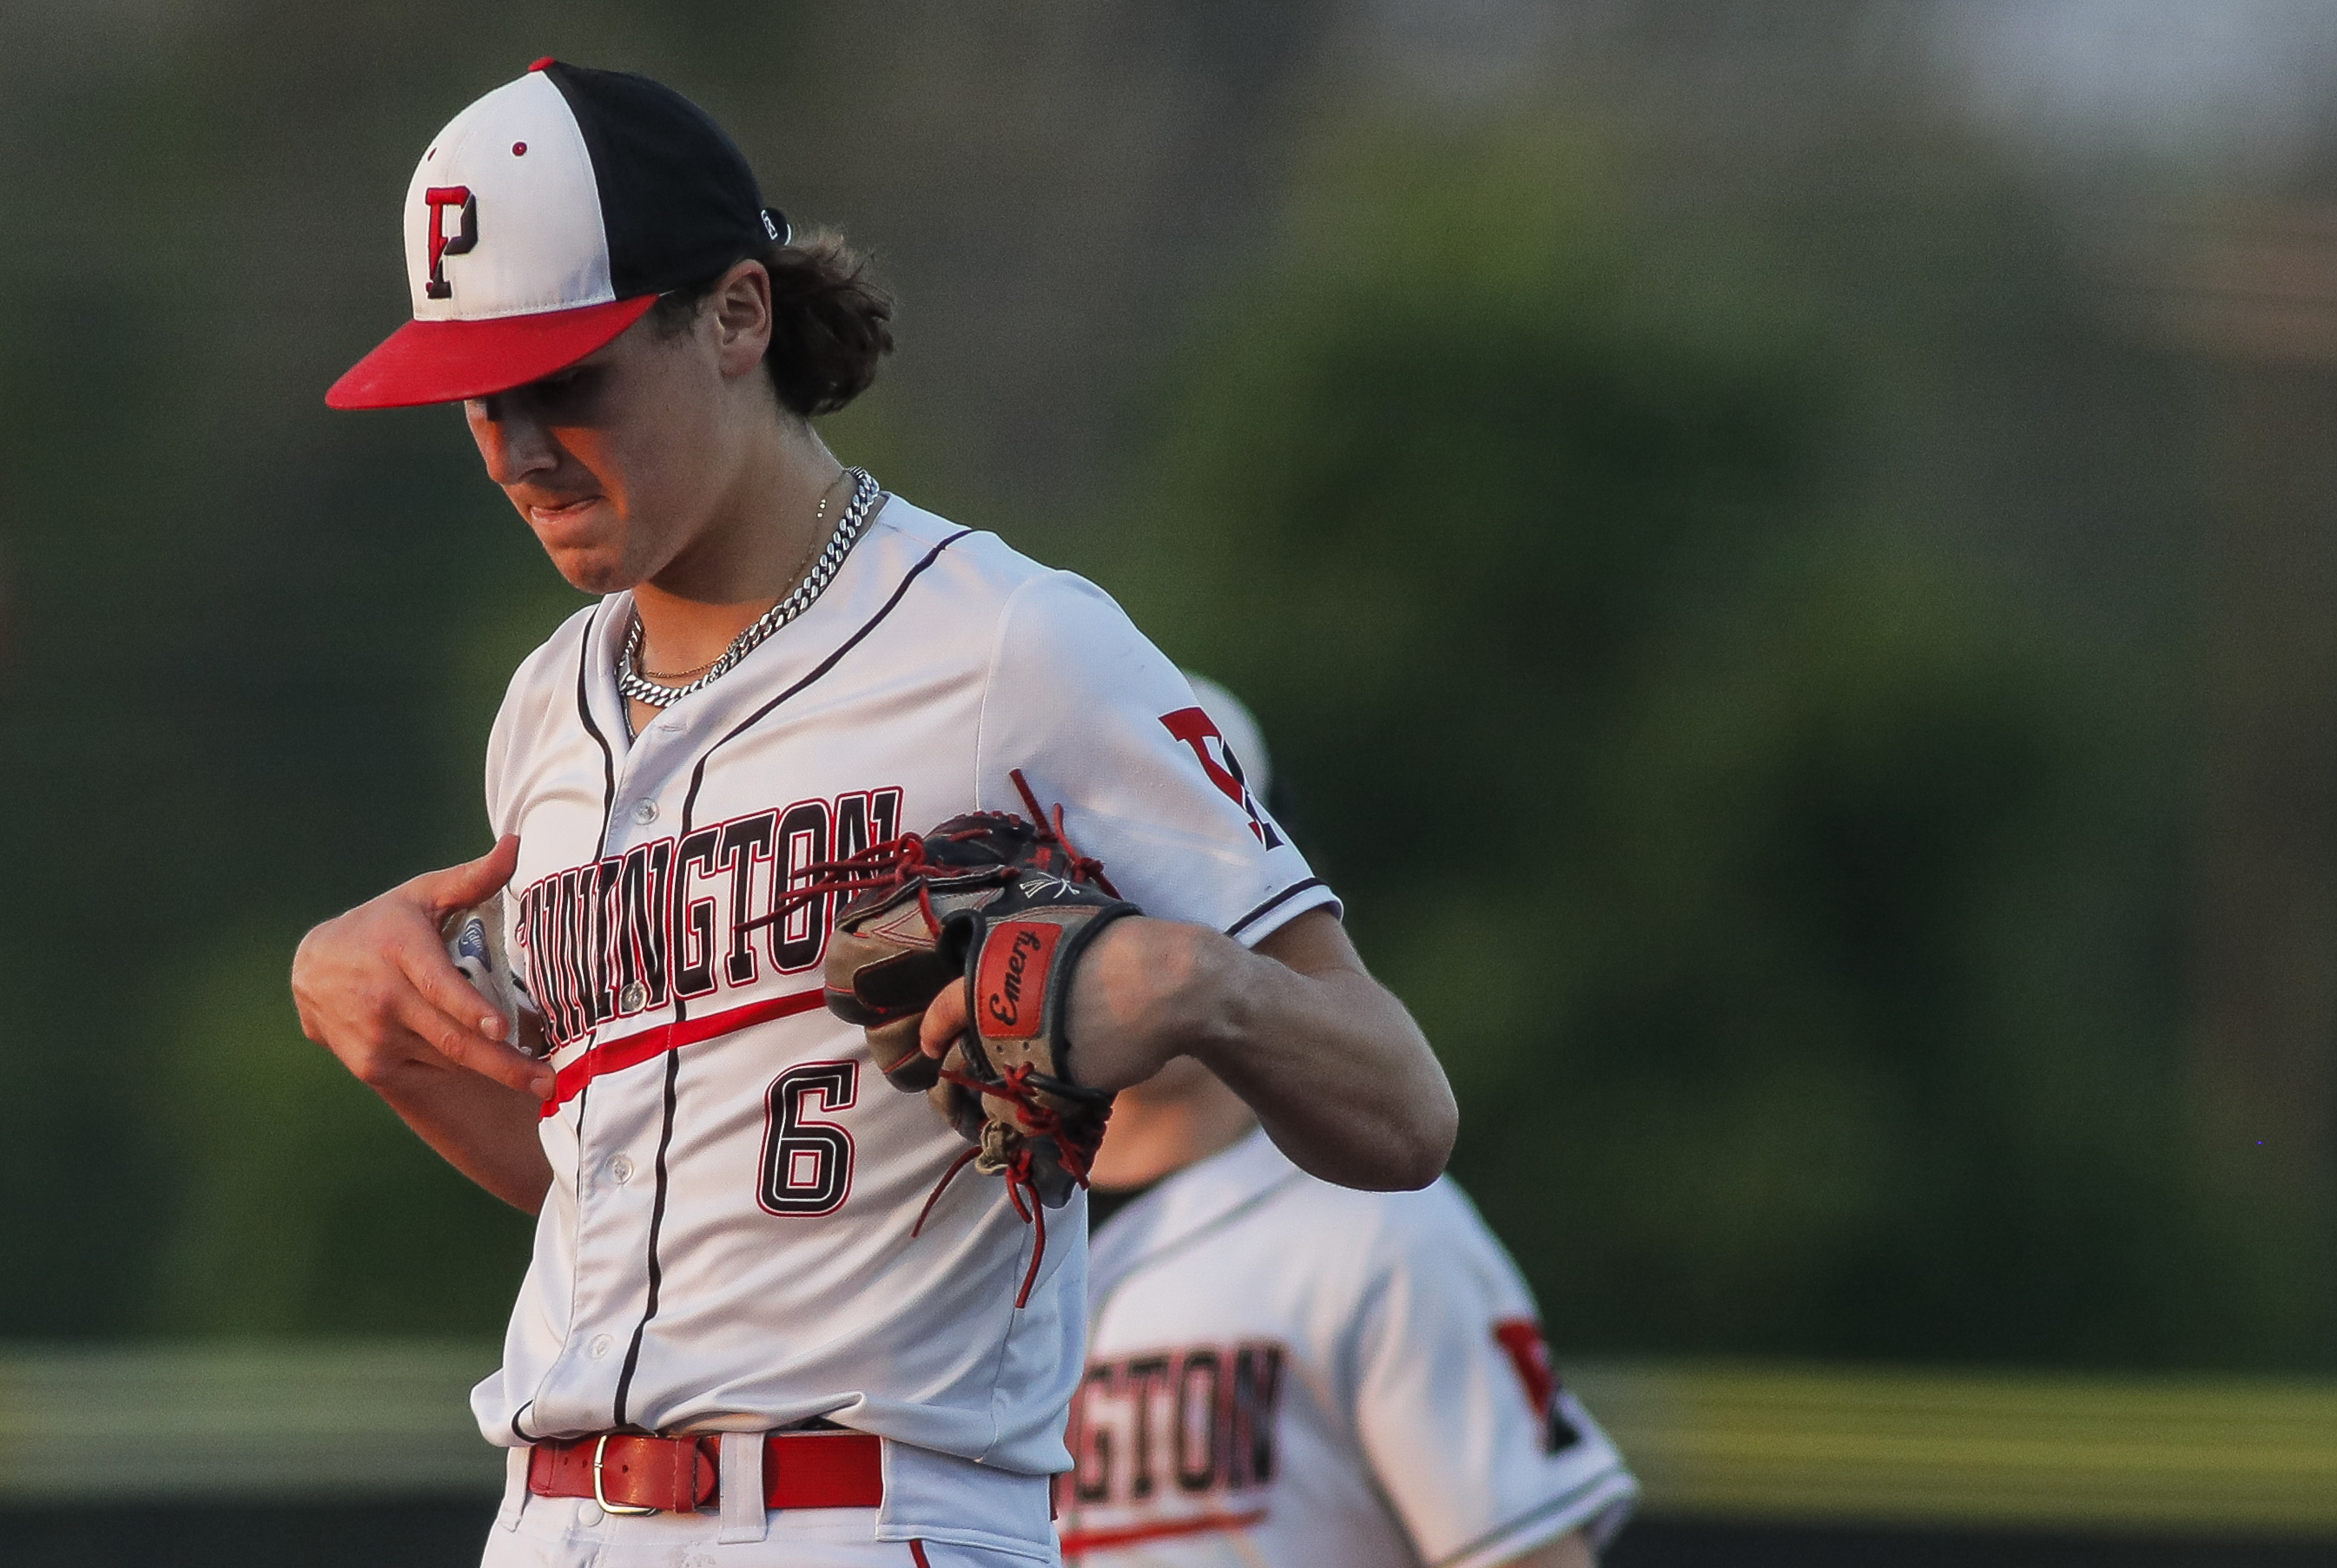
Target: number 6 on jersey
(807, 1164)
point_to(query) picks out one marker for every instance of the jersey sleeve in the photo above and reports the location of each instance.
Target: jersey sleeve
(519, 721)
(524, 717)
(1480, 1451)
(501, 739)
(1101, 721)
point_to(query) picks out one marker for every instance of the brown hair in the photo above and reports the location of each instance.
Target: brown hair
(830, 323)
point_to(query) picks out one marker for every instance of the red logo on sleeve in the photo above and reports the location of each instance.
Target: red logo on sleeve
(1521, 1338)
(1011, 987)
(443, 244)
(1194, 728)
(1529, 1355)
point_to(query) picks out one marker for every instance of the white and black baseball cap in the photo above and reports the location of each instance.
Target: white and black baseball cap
(545, 220)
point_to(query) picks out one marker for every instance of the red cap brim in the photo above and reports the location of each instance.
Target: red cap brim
(448, 361)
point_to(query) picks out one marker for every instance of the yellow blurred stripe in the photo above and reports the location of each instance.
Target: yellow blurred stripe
(1816, 1443)
(380, 1419)
(1879, 1445)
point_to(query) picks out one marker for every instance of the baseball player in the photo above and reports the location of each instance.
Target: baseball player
(761, 1323)
(1282, 1372)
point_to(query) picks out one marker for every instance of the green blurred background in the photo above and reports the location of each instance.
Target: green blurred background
(1786, 553)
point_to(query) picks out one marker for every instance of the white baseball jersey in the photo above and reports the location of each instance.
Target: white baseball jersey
(1282, 1372)
(726, 1244)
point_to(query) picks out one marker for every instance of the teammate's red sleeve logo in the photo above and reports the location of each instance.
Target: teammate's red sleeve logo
(1521, 1338)
(443, 244)
(1194, 728)
(1529, 1354)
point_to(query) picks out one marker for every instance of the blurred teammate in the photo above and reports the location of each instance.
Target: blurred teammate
(1284, 1374)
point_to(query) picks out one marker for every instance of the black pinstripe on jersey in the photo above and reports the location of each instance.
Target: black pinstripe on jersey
(673, 1059)
(584, 714)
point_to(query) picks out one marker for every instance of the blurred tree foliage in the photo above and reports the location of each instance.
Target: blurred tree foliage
(1794, 901)
(1676, 592)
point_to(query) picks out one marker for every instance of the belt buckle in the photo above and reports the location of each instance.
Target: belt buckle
(600, 1451)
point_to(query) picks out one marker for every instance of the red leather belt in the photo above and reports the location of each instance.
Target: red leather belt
(628, 1474)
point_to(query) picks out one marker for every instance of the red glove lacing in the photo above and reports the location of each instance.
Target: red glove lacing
(895, 862)
(1037, 1119)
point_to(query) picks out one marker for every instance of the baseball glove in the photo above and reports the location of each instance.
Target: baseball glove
(1007, 906)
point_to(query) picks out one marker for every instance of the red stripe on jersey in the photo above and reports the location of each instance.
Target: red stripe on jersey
(649, 1044)
(1078, 1541)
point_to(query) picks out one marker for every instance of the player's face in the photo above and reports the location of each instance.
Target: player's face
(616, 462)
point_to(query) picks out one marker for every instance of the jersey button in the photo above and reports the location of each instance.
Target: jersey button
(621, 1169)
(645, 812)
(633, 998)
(599, 1347)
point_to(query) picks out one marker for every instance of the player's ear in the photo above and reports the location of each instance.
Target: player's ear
(740, 305)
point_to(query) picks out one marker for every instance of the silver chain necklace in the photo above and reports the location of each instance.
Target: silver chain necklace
(634, 685)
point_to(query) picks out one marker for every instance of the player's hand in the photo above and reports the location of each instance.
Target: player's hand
(374, 986)
(1146, 990)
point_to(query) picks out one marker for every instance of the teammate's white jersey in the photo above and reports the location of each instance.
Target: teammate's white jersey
(725, 1243)
(1282, 1372)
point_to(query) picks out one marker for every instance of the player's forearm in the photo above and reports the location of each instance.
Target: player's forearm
(481, 1128)
(1337, 1071)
